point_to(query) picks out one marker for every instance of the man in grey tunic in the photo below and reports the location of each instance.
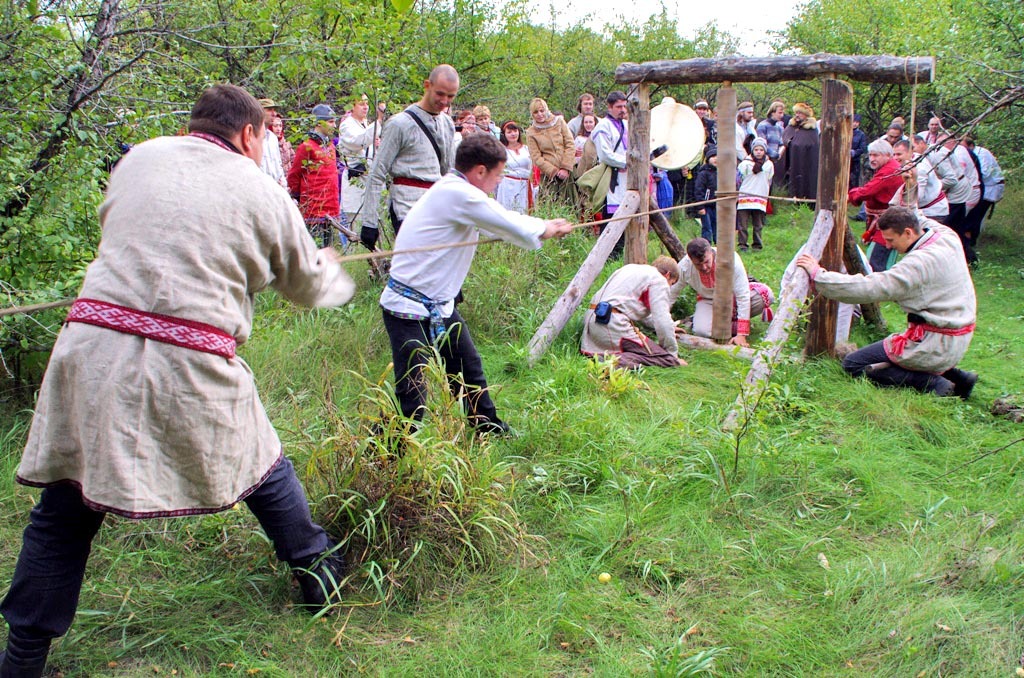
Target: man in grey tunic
(415, 151)
(932, 284)
(145, 411)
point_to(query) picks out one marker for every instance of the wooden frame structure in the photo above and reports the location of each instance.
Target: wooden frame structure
(833, 172)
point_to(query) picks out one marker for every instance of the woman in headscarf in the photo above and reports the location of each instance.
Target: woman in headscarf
(801, 155)
(553, 152)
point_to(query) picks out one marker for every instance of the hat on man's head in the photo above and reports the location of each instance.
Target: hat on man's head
(745, 106)
(803, 108)
(701, 104)
(759, 141)
(711, 151)
(856, 117)
(324, 112)
(268, 103)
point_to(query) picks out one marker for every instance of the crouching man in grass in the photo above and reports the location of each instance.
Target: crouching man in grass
(933, 285)
(145, 410)
(634, 293)
(418, 301)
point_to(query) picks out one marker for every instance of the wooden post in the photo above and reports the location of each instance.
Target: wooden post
(584, 278)
(794, 291)
(833, 184)
(638, 169)
(721, 323)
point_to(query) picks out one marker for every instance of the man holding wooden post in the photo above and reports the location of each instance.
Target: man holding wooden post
(933, 285)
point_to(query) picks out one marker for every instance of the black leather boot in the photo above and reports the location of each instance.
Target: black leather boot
(963, 381)
(23, 658)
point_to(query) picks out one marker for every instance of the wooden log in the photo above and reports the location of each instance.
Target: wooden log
(833, 184)
(693, 341)
(882, 69)
(794, 292)
(584, 278)
(663, 227)
(854, 264)
(638, 170)
(721, 320)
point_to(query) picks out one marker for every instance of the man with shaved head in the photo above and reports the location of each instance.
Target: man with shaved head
(415, 151)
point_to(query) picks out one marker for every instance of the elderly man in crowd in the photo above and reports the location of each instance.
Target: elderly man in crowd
(932, 284)
(145, 410)
(875, 195)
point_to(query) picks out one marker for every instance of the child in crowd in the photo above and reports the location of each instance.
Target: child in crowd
(705, 187)
(756, 172)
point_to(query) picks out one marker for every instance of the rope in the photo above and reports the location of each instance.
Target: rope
(379, 254)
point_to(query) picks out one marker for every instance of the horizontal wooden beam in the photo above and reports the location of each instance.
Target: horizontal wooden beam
(881, 68)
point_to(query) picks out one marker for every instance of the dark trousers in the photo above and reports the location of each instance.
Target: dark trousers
(957, 220)
(409, 351)
(858, 362)
(972, 227)
(744, 220)
(43, 597)
(709, 223)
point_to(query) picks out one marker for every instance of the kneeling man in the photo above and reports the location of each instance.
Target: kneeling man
(698, 269)
(634, 293)
(933, 285)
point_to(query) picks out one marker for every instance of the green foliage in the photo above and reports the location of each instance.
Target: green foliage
(415, 506)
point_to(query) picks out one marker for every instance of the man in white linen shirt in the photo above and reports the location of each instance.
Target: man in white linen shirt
(418, 301)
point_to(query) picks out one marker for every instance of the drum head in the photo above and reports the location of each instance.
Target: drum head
(680, 128)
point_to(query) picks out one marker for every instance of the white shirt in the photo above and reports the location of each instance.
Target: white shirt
(452, 211)
(270, 163)
(612, 153)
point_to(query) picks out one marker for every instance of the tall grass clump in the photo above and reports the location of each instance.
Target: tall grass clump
(416, 507)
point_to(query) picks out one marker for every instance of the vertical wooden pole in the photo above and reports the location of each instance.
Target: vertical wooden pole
(721, 324)
(833, 184)
(638, 170)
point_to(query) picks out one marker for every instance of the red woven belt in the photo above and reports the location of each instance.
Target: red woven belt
(916, 331)
(163, 328)
(409, 181)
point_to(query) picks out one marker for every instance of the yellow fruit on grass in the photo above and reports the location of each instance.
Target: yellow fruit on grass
(604, 577)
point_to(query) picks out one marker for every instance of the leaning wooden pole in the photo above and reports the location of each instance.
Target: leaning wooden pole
(721, 320)
(663, 228)
(584, 278)
(638, 169)
(833, 184)
(794, 292)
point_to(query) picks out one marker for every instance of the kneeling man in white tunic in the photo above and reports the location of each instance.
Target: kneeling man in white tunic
(634, 293)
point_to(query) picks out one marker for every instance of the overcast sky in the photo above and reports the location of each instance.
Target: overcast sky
(749, 20)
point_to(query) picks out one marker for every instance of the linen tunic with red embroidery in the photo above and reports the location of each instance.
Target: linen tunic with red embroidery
(638, 293)
(146, 429)
(932, 280)
(704, 286)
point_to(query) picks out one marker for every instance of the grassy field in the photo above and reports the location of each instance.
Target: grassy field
(839, 535)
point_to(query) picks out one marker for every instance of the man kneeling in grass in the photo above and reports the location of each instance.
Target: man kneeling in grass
(933, 285)
(419, 300)
(145, 410)
(634, 293)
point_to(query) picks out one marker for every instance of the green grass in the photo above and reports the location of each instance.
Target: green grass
(628, 475)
